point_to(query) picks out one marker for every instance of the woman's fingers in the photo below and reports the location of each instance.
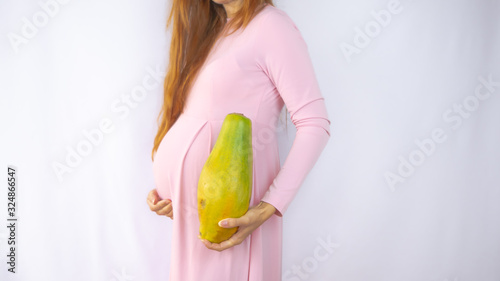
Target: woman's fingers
(236, 239)
(160, 205)
(170, 215)
(163, 207)
(153, 197)
(154, 202)
(165, 210)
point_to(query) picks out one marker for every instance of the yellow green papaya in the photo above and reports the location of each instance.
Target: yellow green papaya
(225, 183)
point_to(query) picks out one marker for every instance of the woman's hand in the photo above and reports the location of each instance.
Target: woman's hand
(164, 207)
(254, 217)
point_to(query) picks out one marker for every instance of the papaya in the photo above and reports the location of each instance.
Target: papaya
(225, 182)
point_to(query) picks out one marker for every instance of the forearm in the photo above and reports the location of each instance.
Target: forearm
(307, 147)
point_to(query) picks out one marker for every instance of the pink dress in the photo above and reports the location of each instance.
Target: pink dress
(255, 72)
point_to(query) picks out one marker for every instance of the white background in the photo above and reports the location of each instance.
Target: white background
(403, 84)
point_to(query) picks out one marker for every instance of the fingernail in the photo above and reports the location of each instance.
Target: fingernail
(223, 223)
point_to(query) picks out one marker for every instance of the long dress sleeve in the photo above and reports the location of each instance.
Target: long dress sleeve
(283, 55)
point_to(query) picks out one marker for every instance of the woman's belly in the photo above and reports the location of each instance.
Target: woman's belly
(188, 139)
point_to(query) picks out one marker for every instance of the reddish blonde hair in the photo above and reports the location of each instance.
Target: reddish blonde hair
(196, 27)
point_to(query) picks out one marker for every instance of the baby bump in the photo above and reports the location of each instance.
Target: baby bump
(179, 156)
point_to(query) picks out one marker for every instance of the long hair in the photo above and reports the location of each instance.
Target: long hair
(196, 27)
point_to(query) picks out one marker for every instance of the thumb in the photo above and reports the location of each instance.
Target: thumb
(230, 222)
(153, 196)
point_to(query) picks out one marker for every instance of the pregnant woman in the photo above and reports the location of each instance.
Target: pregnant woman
(226, 56)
